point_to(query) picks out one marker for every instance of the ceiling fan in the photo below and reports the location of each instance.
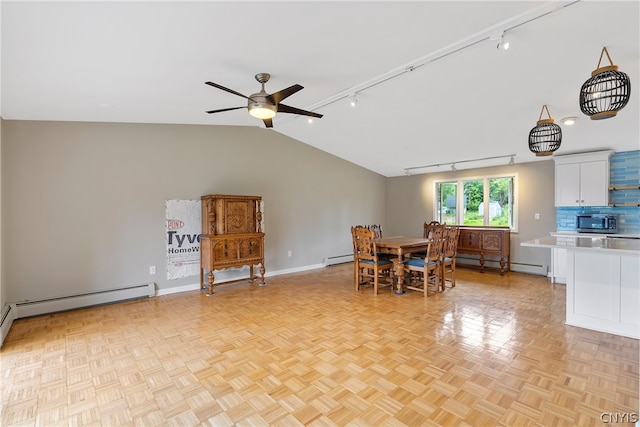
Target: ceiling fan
(264, 106)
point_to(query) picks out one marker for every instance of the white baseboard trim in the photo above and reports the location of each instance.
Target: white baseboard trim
(295, 270)
(72, 302)
(231, 276)
(178, 289)
(7, 315)
(537, 270)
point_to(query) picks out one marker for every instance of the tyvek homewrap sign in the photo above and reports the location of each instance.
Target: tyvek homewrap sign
(183, 228)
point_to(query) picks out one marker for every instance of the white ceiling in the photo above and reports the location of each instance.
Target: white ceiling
(146, 62)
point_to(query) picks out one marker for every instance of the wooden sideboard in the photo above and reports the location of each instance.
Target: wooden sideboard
(487, 241)
(231, 236)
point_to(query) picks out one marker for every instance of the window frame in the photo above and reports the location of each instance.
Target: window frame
(460, 197)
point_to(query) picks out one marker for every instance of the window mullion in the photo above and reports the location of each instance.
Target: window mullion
(486, 199)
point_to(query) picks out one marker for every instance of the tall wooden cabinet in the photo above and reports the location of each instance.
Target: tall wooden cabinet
(231, 236)
(487, 241)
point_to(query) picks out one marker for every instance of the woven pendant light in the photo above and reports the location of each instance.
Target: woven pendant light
(606, 92)
(545, 138)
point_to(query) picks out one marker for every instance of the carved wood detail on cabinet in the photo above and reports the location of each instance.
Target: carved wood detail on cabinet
(232, 236)
(487, 241)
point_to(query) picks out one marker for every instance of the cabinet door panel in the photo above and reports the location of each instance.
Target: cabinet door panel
(250, 248)
(239, 216)
(629, 289)
(492, 241)
(469, 240)
(568, 184)
(593, 191)
(225, 250)
(595, 292)
(559, 265)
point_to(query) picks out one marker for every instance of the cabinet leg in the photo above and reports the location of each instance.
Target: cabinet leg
(502, 264)
(210, 280)
(262, 271)
(481, 263)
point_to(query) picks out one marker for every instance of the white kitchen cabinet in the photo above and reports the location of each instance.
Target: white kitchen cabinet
(603, 282)
(582, 179)
(558, 265)
(603, 291)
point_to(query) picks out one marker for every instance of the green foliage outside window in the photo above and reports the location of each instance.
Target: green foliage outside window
(500, 204)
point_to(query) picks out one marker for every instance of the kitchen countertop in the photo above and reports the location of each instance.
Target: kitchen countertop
(610, 236)
(590, 243)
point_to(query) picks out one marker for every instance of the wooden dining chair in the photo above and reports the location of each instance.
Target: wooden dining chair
(377, 229)
(428, 226)
(429, 267)
(368, 265)
(450, 249)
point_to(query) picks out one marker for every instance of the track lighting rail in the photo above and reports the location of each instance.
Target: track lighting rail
(511, 157)
(488, 34)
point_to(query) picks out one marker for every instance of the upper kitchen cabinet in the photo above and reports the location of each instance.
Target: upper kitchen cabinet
(583, 179)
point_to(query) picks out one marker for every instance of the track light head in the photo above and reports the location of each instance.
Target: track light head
(353, 100)
(502, 43)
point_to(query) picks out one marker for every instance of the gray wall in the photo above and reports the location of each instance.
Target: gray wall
(83, 203)
(410, 204)
(3, 287)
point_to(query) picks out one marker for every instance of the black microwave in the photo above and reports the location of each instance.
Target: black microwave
(597, 223)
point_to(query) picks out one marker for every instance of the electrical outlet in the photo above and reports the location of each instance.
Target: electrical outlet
(536, 216)
(289, 253)
(152, 269)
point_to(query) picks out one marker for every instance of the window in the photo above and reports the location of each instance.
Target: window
(446, 204)
(484, 201)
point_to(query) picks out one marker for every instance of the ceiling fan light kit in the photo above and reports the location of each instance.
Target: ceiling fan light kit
(546, 136)
(606, 92)
(262, 111)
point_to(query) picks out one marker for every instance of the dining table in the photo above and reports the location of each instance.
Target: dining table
(403, 247)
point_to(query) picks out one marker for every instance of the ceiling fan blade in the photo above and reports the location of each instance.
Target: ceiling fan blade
(286, 109)
(226, 89)
(276, 97)
(268, 123)
(224, 109)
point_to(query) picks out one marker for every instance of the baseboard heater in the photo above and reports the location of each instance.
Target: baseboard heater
(54, 305)
(9, 314)
(338, 259)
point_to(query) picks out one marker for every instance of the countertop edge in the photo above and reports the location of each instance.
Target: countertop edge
(584, 243)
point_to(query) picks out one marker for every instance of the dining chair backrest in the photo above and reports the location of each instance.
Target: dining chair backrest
(428, 226)
(451, 236)
(436, 244)
(363, 242)
(377, 229)
(353, 233)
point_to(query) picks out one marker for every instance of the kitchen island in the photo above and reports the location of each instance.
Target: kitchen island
(603, 282)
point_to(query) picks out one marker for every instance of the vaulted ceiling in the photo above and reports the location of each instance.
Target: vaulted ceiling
(432, 87)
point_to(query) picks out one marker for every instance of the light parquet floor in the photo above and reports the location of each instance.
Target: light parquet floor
(309, 350)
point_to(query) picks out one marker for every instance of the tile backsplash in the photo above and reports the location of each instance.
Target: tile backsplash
(624, 170)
